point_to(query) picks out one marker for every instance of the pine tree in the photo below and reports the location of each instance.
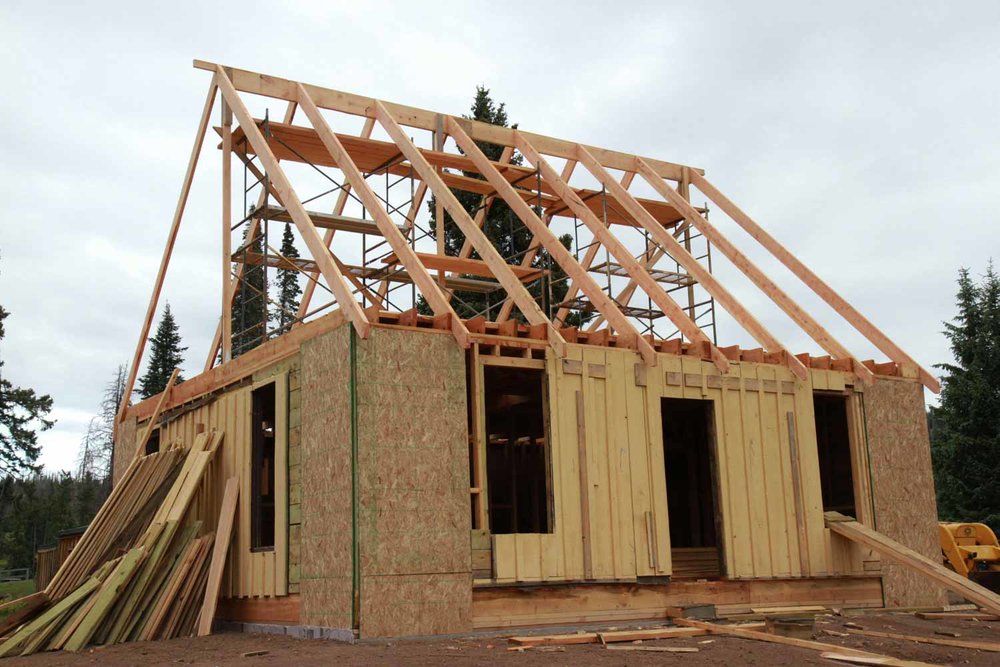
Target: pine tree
(965, 435)
(165, 355)
(23, 414)
(289, 289)
(501, 226)
(250, 303)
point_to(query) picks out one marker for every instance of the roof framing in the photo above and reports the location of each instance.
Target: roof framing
(535, 193)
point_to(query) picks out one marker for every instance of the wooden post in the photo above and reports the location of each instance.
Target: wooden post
(164, 396)
(227, 234)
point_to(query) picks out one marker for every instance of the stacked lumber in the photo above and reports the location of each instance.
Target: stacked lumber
(141, 570)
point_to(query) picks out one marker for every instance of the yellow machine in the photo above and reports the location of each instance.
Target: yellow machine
(970, 549)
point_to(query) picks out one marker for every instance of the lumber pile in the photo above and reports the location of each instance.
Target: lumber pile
(141, 571)
(899, 553)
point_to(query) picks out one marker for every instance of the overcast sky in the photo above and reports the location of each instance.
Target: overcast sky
(863, 135)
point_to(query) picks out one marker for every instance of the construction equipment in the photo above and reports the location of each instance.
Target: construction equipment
(971, 550)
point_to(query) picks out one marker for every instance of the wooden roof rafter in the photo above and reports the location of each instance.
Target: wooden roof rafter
(626, 330)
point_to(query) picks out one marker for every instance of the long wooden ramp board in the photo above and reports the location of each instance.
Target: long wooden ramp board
(894, 551)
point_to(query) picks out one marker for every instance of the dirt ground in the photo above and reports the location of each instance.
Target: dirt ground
(229, 649)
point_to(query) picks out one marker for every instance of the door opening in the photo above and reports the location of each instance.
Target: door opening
(833, 443)
(692, 487)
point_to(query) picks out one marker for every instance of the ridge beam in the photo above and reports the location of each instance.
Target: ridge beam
(805, 321)
(861, 323)
(550, 242)
(667, 305)
(665, 240)
(501, 270)
(334, 278)
(430, 289)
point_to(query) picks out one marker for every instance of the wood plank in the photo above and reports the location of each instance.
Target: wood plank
(711, 285)
(734, 631)
(992, 647)
(55, 611)
(167, 251)
(581, 435)
(905, 556)
(822, 289)
(515, 289)
(140, 450)
(475, 267)
(551, 243)
(359, 105)
(334, 278)
(22, 608)
(400, 247)
(105, 597)
(622, 254)
(788, 305)
(223, 536)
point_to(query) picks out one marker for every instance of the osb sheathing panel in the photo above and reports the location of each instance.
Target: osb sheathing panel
(124, 448)
(903, 485)
(414, 484)
(325, 454)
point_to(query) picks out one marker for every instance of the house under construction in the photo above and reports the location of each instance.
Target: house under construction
(403, 474)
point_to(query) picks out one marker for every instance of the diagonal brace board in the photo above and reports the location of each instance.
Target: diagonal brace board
(862, 324)
(751, 271)
(430, 289)
(550, 242)
(619, 251)
(168, 249)
(501, 270)
(666, 241)
(334, 278)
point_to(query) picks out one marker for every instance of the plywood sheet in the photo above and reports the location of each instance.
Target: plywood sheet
(903, 484)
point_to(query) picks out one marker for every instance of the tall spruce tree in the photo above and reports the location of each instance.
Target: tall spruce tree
(501, 225)
(287, 303)
(165, 354)
(23, 414)
(965, 434)
(250, 303)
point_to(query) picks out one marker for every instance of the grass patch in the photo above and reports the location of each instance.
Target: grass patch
(11, 590)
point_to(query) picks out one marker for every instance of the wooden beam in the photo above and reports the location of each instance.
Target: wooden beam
(622, 254)
(338, 209)
(459, 265)
(918, 563)
(223, 535)
(975, 645)
(234, 281)
(627, 332)
(735, 631)
(226, 323)
(418, 272)
(501, 270)
(334, 278)
(167, 250)
(666, 241)
(815, 283)
(358, 105)
(164, 397)
(808, 324)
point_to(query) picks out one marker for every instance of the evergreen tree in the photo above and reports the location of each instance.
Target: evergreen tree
(965, 433)
(250, 303)
(288, 286)
(23, 414)
(165, 355)
(501, 226)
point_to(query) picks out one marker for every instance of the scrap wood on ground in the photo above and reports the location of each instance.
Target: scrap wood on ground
(143, 570)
